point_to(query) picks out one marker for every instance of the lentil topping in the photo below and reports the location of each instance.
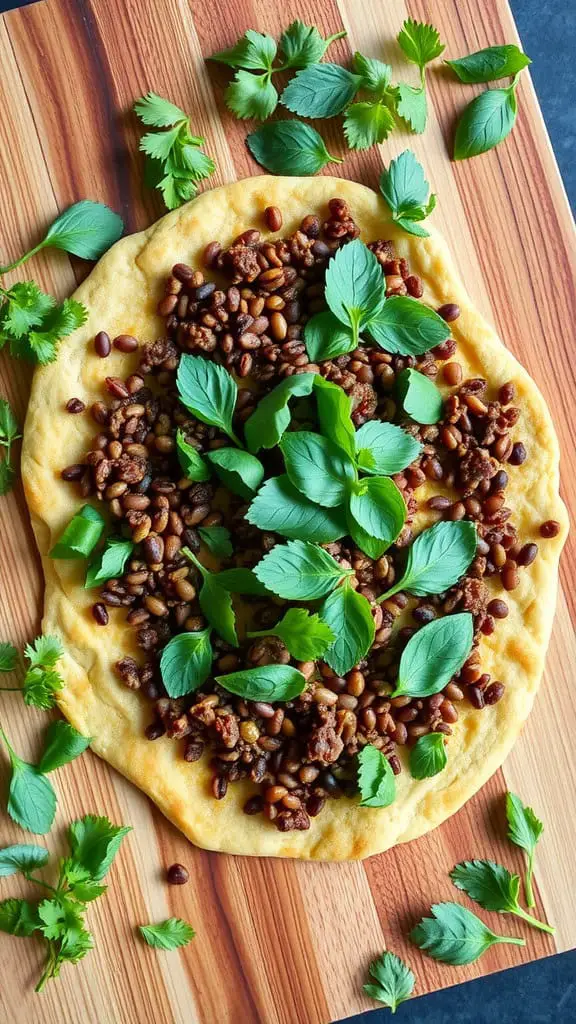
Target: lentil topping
(247, 314)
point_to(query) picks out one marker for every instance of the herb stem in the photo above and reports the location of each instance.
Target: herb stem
(7, 742)
(530, 901)
(49, 968)
(189, 554)
(38, 881)
(17, 689)
(512, 940)
(19, 262)
(534, 921)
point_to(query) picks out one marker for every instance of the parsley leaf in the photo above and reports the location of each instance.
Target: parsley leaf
(428, 756)
(156, 111)
(394, 981)
(250, 95)
(421, 44)
(32, 323)
(44, 652)
(170, 934)
(302, 45)
(375, 778)
(8, 434)
(349, 616)
(494, 888)
(94, 843)
(18, 917)
(405, 190)
(42, 681)
(8, 656)
(455, 935)
(375, 75)
(524, 830)
(25, 307)
(290, 148)
(321, 90)
(304, 634)
(366, 124)
(186, 662)
(300, 571)
(175, 164)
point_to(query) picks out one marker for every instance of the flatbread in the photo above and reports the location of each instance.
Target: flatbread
(121, 295)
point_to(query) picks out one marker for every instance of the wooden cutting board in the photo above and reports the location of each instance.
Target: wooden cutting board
(278, 941)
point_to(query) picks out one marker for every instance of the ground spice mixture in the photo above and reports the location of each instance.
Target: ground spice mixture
(250, 318)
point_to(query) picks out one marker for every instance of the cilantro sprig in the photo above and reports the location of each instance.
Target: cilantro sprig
(175, 163)
(42, 680)
(59, 918)
(8, 434)
(420, 43)
(32, 323)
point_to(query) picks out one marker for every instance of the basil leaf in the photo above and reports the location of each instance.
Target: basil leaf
(490, 64)
(354, 286)
(434, 654)
(375, 778)
(63, 744)
(455, 935)
(18, 917)
(304, 634)
(395, 981)
(383, 448)
(81, 535)
(191, 462)
(171, 934)
(265, 682)
(317, 467)
(108, 563)
(86, 229)
(94, 843)
(407, 327)
(217, 540)
(379, 508)
(326, 338)
(208, 391)
(428, 756)
(241, 472)
(321, 90)
(22, 858)
(31, 799)
(420, 398)
(437, 559)
(348, 615)
(334, 414)
(300, 571)
(265, 427)
(487, 120)
(289, 147)
(303, 45)
(216, 604)
(280, 508)
(371, 546)
(241, 581)
(186, 662)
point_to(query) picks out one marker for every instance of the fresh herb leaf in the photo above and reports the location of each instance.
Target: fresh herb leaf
(241, 472)
(321, 90)
(265, 682)
(158, 112)
(8, 657)
(354, 286)
(174, 162)
(394, 981)
(25, 307)
(94, 843)
(455, 935)
(487, 120)
(317, 467)
(31, 798)
(186, 662)
(366, 124)
(326, 338)
(241, 581)
(376, 76)
(434, 654)
(490, 64)
(494, 888)
(412, 106)
(405, 191)
(524, 830)
(85, 229)
(80, 536)
(334, 414)
(428, 756)
(32, 323)
(280, 508)
(253, 51)
(302, 45)
(250, 95)
(290, 148)
(41, 687)
(420, 398)
(300, 571)
(407, 327)
(44, 652)
(8, 434)
(378, 507)
(304, 634)
(108, 563)
(375, 778)
(271, 417)
(215, 602)
(437, 559)
(217, 540)
(384, 449)
(349, 616)
(7, 477)
(22, 859)
(191, 462)
(171, 934)
(209, 392)
(374, 547)
(63, 744)
(420, 42)
(18, 917)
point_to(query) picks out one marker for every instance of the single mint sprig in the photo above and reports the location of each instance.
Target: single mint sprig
(524, 830)
(405, 190)
(455, 935)
(494, 888)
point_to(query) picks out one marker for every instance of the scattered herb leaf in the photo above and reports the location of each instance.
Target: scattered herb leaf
(394, 981)
(80, 536)
(42, 681)
(349, 616)
(170, 934)
(490, 64)
(407, 327)
(217, 540)
(378, 507)
(191, 462)
(434, 654)
(264, 682)
(209, 391)
(375, 778)
(271, 417)
(437, 559)
(384, 449)
(354, 286)
(428, 756)
(299, 570)
(321, 90)
(241, 472)
(487, 120)
(405, 190)
(305, 634)
(303, 45)
(22, 859)
(63, 744)
(8, 657)
(455, 935)
(108, 563)
(186, 662)
(524, 830)
(420, 398)
(494, 888)
(317, 467)
(366, 124)
(279, 507)
(290, 148)
(175, 163)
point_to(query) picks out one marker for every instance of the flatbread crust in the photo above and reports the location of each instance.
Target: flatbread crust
(121, 295)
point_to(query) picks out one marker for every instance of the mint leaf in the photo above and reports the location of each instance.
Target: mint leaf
(419, 396)
(300, 571)
(94, 843)
(265, 682)
(384, 449)
(253, 51)
(186, 662)
(407, 327)
(348, 615)
(335, 414)
(302, 45)
(271, 417)
(80, 536)
(209, 391)
(241, 472)
(366, 124)
(434, 654)
(317, 467)
(428, 756)
(304, 634)
(251, 95)
(241, 581)
(191, 462)
(108, 563)
(31, 800)
(63, 744)
(216, 603)
(22, 859)
(280, 508)
(524, 830)
(376, 76)
(371, 546)
(494, 888)
(326, 338)
(394, 981)
(169, 935)
(375, 778)
(321, 90)
(379, 508)
(487, 120)
(490, 64)
(85, 229)
(217, 540)
(290, 148)
(354, 286)
(405, 190)
(455, 935)
(437, 559)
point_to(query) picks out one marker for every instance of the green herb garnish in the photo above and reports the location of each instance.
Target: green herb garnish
(455, 935)
(408, 327)
(215, 602)
(420, 44)
(265, 682)
(279, 507)
(349, 616)
(42, 682)
(428, 756)
(217, 540)
(434, 654)
(170, 934)
(490, 64)
(86, 229)
(321, 90)
(494, 888)
(376, 505)
(8, 434)
(81, 536)
(420, 398)
(317, 467)
(241, 472)
(191, 462)
(186, 662)
(370, 121)
(209, 392)
(8, 657)
(487, 120)
(290, 148)
(437, 559)
(394, 981)
(406, 192)
(384, 449)
(300, 570)
(271, 417)
(175, 162)
(524, 830)
(304, 634)
(375, 778)
(32, 323)
(354, 286)
(110, 562)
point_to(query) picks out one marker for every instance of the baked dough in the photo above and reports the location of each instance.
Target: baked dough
(121, 295)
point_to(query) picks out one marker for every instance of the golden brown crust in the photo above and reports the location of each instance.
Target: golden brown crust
(121, 294)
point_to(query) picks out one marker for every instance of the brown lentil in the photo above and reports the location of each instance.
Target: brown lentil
(100, 614)
(177, 874)
(549, 529)
(273, 218)
(449, 311)
(102, 344)
(452, 374)
(125, 343)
